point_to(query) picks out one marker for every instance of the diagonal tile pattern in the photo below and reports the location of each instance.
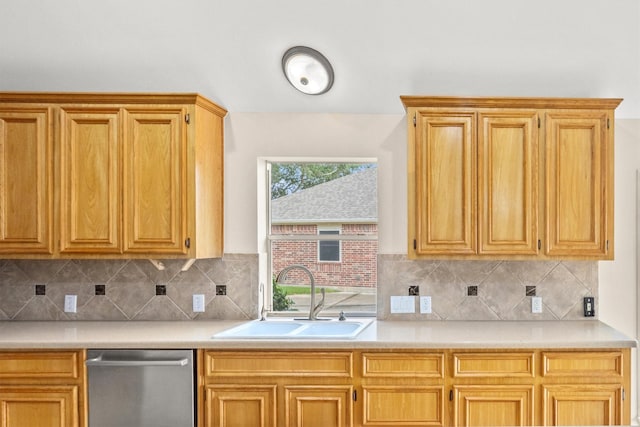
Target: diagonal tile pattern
(501, 288)
(130, 289)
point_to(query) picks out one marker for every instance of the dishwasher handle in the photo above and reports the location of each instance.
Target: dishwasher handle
(99, 361)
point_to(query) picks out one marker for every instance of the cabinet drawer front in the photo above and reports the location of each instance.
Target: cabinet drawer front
(39, 365)
(403, 406)
(291, 364)
(381, 365)
(567, 364)
(467, 365)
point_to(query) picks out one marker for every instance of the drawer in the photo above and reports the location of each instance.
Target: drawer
(474, 365)
(279, 364)
(40, 364)
(582, 364)
(394, 365)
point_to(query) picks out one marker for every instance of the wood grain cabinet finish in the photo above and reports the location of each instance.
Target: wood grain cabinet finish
(137, 175)
(277, 388)
(524, 178)
(395, 387)
(26, 180)
(42, 388)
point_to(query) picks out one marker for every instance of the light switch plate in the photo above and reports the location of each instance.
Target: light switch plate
(403, 304)
(70, 303)
(198, 303)
(425, 305)
(536, 305)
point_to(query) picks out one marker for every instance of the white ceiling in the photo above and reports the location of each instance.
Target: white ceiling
(230, 51)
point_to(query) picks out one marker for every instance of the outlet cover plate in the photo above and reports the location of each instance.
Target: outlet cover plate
(536, 305)
(425, 305)
(403, 304)
(70, 303)
(198, 303)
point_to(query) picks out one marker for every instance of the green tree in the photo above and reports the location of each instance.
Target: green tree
(287, 178)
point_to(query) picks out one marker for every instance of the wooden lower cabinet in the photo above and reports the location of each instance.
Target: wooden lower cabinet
(42, 389)
(30, 406)
(385, 388)
(493, 405)
(582, 405)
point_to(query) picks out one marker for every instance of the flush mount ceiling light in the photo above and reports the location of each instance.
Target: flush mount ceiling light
(307, 70)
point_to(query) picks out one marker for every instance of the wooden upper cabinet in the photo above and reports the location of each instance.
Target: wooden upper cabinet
(155, 181)
(90, 146)
(445, 184)
(508, 178)
(519, 178)
(26, 180)
(139, 175)
(579, 190)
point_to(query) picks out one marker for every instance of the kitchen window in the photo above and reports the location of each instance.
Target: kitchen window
(322, 215)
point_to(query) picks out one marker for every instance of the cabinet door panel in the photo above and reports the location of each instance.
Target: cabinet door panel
(241, 405)
(403, 406)
(318, 406)
(507, 153)
(579, 168)
(29, 406)
(582, 405)
(90, 187)
(26, 165)
(493, 405)
(445, 183)
(155, 182)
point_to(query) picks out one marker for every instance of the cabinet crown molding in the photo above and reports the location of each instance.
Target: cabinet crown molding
(410, 101)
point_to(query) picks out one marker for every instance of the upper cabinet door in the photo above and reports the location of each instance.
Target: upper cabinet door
(90, 211)
(507, 182)
(155, 181)
(444, 188)
(26, 165)
(579, 184)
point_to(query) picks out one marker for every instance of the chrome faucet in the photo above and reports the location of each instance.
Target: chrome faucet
(314, 309)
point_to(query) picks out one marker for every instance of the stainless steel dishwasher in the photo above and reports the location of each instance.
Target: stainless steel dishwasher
(141, 388)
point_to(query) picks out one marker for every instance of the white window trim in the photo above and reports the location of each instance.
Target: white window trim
(264, 220)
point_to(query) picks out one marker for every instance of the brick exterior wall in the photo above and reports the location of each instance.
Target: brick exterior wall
(357, 267)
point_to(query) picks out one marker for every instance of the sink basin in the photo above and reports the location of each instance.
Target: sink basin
(296, 329)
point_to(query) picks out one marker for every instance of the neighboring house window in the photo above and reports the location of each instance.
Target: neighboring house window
(328, 250)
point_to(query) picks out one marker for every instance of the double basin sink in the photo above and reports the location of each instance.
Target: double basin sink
(296, 329)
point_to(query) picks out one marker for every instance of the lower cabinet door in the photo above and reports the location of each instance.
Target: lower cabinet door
(30, 406)
(318, 406)
(582, 405)
(403, 406)
(241, 406)
(493, 405)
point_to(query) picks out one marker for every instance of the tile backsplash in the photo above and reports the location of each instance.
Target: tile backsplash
(129, 289)
(136, 290)
(503, 289)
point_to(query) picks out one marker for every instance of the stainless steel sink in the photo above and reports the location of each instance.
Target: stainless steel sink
(296, 329)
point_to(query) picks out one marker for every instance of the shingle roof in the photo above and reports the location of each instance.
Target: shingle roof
(349, 199)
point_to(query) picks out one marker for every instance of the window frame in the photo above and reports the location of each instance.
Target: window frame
(265, 237)
(329, 231)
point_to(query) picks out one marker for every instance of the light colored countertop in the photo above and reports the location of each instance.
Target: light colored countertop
(380, 334)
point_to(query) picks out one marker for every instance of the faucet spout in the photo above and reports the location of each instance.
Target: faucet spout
(314, 309)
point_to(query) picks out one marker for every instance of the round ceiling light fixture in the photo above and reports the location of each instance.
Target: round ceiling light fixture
(307, 70)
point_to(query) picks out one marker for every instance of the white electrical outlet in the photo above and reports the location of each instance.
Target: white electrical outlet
(536, 305)
(70, 303)
(403, 304)
(425, 305)
(198, 303)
